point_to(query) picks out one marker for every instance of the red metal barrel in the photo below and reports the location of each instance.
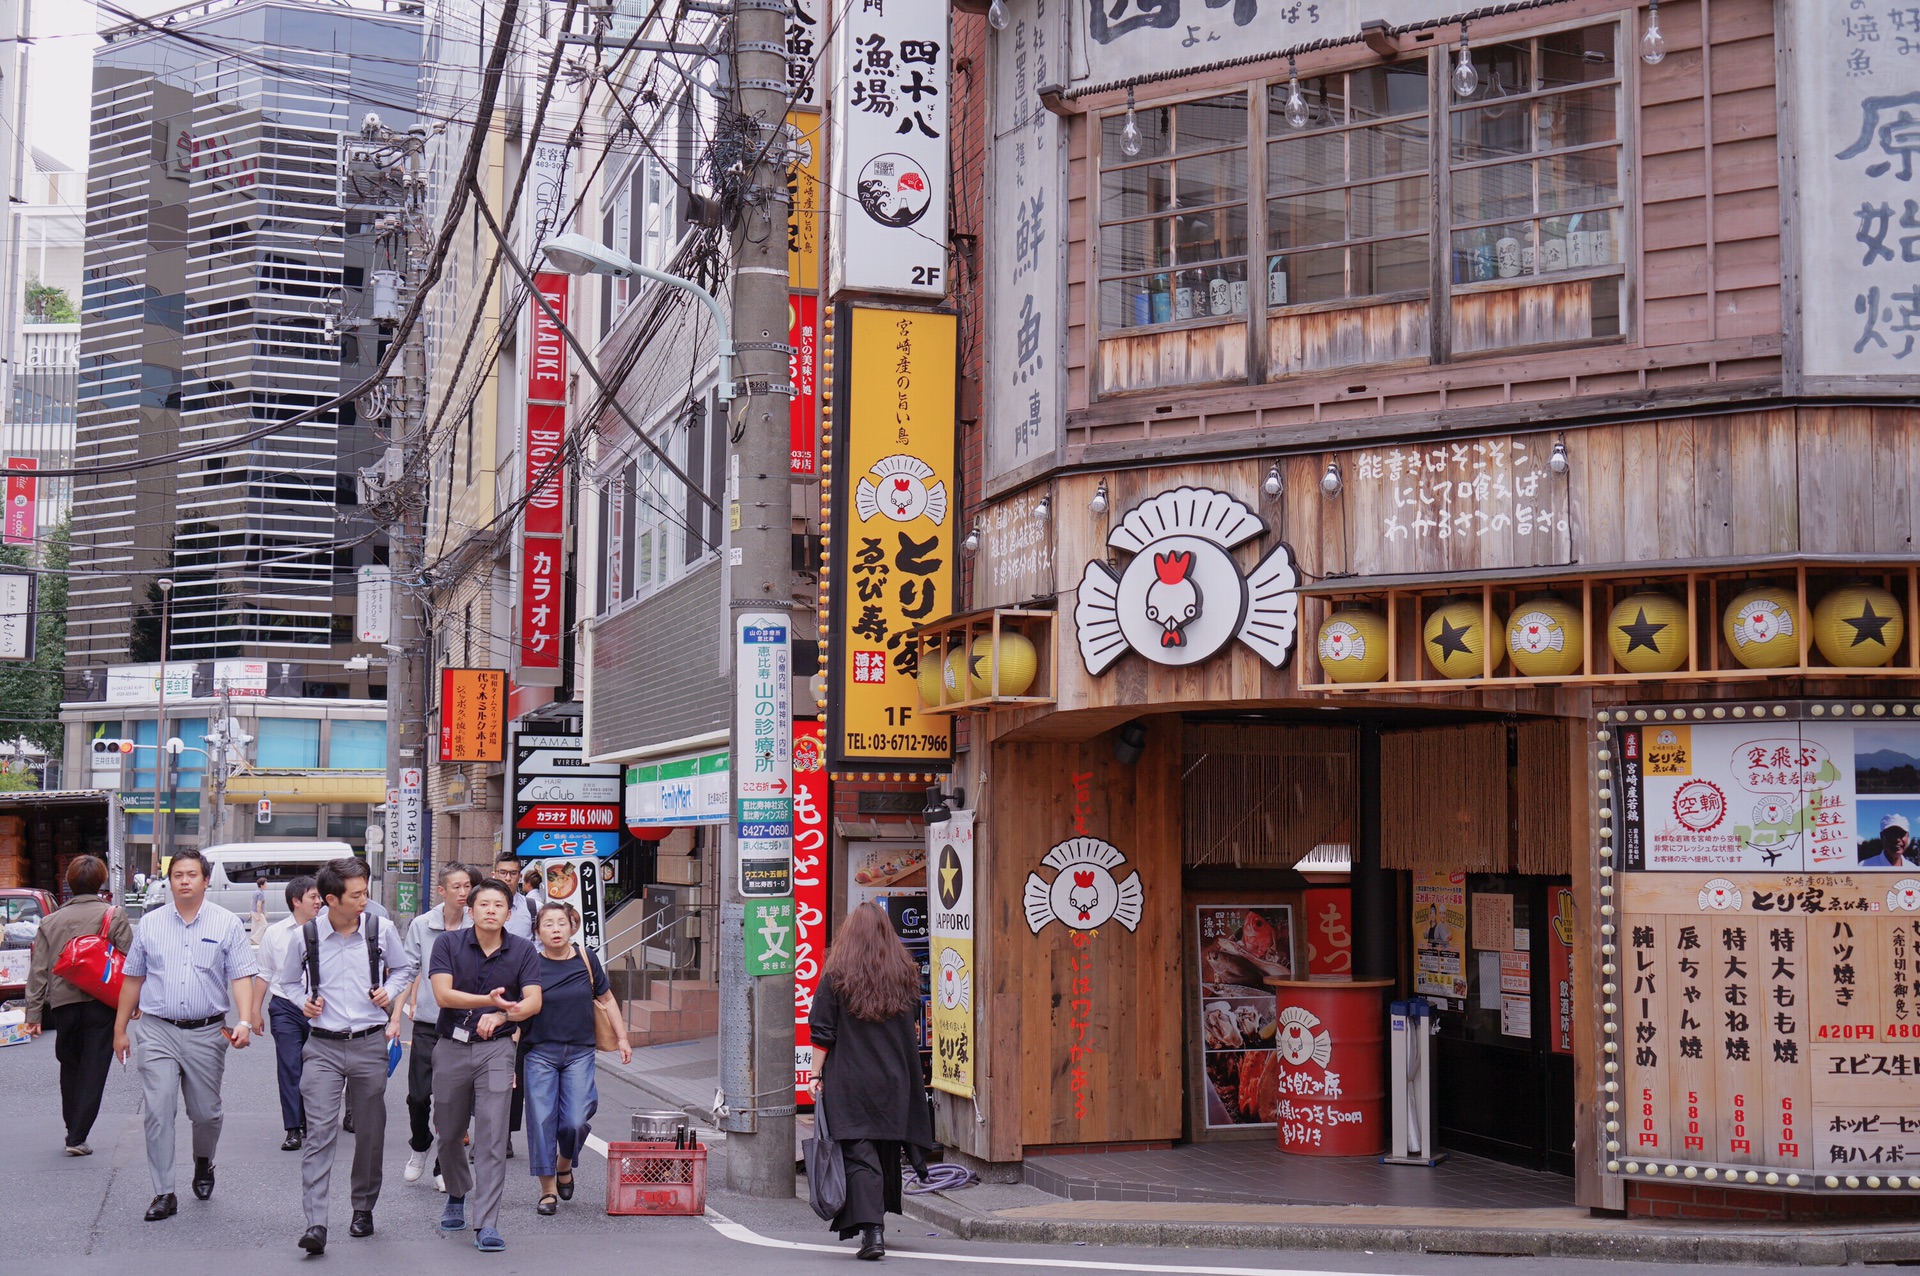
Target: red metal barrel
(1331, 1043)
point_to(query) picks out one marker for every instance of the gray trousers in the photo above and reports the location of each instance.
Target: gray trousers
(474, 1080)
(359, 1068)
(175, 1063)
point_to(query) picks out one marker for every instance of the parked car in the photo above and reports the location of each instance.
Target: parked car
(237, 868)
(21, 909)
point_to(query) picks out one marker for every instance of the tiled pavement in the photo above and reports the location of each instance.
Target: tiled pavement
(1259, 1173)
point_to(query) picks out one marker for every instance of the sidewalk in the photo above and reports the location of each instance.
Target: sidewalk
(681, 1075)
(1021, 1213)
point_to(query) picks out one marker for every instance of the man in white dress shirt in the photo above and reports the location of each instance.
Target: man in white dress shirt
(191, 963)
(352, 1005)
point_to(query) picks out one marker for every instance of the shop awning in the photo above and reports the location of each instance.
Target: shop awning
(339, 786)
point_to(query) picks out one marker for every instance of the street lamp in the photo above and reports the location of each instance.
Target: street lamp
(162, 846)
(577, 255)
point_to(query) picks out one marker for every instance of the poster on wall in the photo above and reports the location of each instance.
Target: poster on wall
(889, 149)
(881, 870)
(578, 882)
(1440, 937)
(1788, 794)
(1240, 947)
(893, 511)
(950, 851)
(1560, 968)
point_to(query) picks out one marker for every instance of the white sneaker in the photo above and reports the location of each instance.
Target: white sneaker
(439, 1183)
(416, 1166)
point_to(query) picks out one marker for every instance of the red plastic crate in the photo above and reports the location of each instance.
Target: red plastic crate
(656, 1178)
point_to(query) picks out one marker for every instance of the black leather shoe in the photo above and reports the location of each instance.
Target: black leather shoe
(165, 1205)
(346, 1123)
(203, 1177)
(292, 1142)
(509, 1147)
(873, 1243)
(362, 1224)
(314, 1240)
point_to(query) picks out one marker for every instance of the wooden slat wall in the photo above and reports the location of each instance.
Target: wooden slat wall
(1443, 799)
(1542, 837)
(1135, 1027)
(1365, 335)
(1262, 796)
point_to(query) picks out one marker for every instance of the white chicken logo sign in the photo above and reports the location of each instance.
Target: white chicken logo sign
(1182, 597)
(902, 492)
(956, 985)
(1300, 1037)
(1084, 894)
(1904, 897)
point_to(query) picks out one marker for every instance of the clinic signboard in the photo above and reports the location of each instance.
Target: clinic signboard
(763, 738)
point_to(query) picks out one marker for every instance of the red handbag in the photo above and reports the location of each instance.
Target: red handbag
(93, 965)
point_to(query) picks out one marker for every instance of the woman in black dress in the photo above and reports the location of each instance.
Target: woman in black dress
(865, 1020)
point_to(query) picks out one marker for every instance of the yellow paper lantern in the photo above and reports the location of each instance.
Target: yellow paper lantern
(1456, 640)
(1353, 645)
(957, 678)
(1859, 626)
(929, 679)
(1762, 629)
(1018, 662)
(1647, 633)
(1545, 638)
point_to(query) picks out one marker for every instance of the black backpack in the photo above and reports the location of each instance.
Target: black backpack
(312, 931)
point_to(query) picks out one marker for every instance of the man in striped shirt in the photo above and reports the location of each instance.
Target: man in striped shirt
(190, 965)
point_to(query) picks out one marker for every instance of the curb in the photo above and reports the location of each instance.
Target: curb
(641, 1082)
(1666, 1244)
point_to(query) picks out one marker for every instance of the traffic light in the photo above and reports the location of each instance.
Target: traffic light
(111, 753)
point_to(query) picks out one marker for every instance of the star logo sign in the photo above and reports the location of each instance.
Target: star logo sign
(1868, 626)
(1642, 632)
(952, 878)
(1452, 641)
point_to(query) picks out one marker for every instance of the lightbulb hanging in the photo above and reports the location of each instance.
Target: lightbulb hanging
(1296, 104)
(1130, 134)
(1653, 44)
(997, 15)
(1465, 78)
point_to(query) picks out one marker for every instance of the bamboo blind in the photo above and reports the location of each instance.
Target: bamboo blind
(1263, 795)
(1543, 837)
(1443, 799)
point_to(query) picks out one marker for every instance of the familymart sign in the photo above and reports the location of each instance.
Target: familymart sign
(693, 789)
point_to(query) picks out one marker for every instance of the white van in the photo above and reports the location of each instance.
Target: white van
(237, 867)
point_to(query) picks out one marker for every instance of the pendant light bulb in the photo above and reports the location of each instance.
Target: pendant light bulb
(997, 15)
(1296, 104)
(1130, 135)
(1465, 78)
(1330, 481)
(1653, 43)
(1272, 486)
(1099, 502)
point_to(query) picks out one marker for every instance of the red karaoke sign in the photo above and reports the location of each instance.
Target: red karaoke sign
(544, 521)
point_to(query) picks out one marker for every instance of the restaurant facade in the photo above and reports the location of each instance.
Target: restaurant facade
(1459, 547)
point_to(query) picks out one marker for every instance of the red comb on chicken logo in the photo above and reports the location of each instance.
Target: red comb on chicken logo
(1084, 880)
(1083, 897)
(1172, 568)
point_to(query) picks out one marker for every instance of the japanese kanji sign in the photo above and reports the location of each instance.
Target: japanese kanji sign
(1857, 132)
(803, 368)
(769, 949)
(812, 804)
(893, 541)
(473, 706)
(889, 149)
(538, 632)
(950, 896)
(806, 195)
(763, 750)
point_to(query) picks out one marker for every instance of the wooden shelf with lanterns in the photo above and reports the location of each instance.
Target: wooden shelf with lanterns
(1729, 621)
(958, 673)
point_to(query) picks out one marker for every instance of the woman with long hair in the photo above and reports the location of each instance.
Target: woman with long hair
(866, 1070)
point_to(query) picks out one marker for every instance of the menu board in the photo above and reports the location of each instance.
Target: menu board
(1770, 1022)
(1241, 947)
(1778, 795)
(1762, 981)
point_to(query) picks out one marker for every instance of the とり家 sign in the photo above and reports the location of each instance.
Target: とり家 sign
(893, 440)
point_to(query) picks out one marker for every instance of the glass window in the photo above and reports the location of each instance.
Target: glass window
(348, 825)
(1348, 186)
(287, 742)
(188, 766)
(358, 744)
(1173, 217)
(1536, 167)
(288, 821)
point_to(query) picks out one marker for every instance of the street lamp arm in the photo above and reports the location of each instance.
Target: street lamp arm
(576, 254)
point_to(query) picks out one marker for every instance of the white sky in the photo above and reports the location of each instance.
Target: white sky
(60, 77)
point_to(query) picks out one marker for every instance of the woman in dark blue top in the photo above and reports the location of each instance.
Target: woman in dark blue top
(561, 1097)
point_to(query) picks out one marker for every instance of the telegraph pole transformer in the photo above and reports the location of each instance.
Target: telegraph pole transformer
(756, 1028)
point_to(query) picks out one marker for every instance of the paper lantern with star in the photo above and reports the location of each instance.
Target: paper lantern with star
(1353, 645)
(1647, 633)
(929, 679)
(1018, 664)
(1859, 626)
(956, 675)
(1456, 639)
(1545, 638)
(1763, 628)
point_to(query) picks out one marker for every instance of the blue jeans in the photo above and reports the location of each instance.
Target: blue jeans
(561, 1101)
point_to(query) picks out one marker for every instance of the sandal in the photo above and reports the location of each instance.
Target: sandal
(564, 1182)
(549, 1205)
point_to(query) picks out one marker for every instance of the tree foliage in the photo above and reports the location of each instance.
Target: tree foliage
(49, 303)
(30, 693)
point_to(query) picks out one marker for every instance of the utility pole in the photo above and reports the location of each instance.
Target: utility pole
(756, 1029)
(400, 482)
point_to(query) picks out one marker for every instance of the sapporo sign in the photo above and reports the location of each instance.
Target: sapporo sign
(473, 715)
(950, 852)
(892, 533)
(1763, 979)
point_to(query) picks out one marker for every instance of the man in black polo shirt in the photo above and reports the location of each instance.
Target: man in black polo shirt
(485, 981)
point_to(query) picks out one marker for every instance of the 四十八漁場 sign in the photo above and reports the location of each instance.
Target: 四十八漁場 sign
(893, 519)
